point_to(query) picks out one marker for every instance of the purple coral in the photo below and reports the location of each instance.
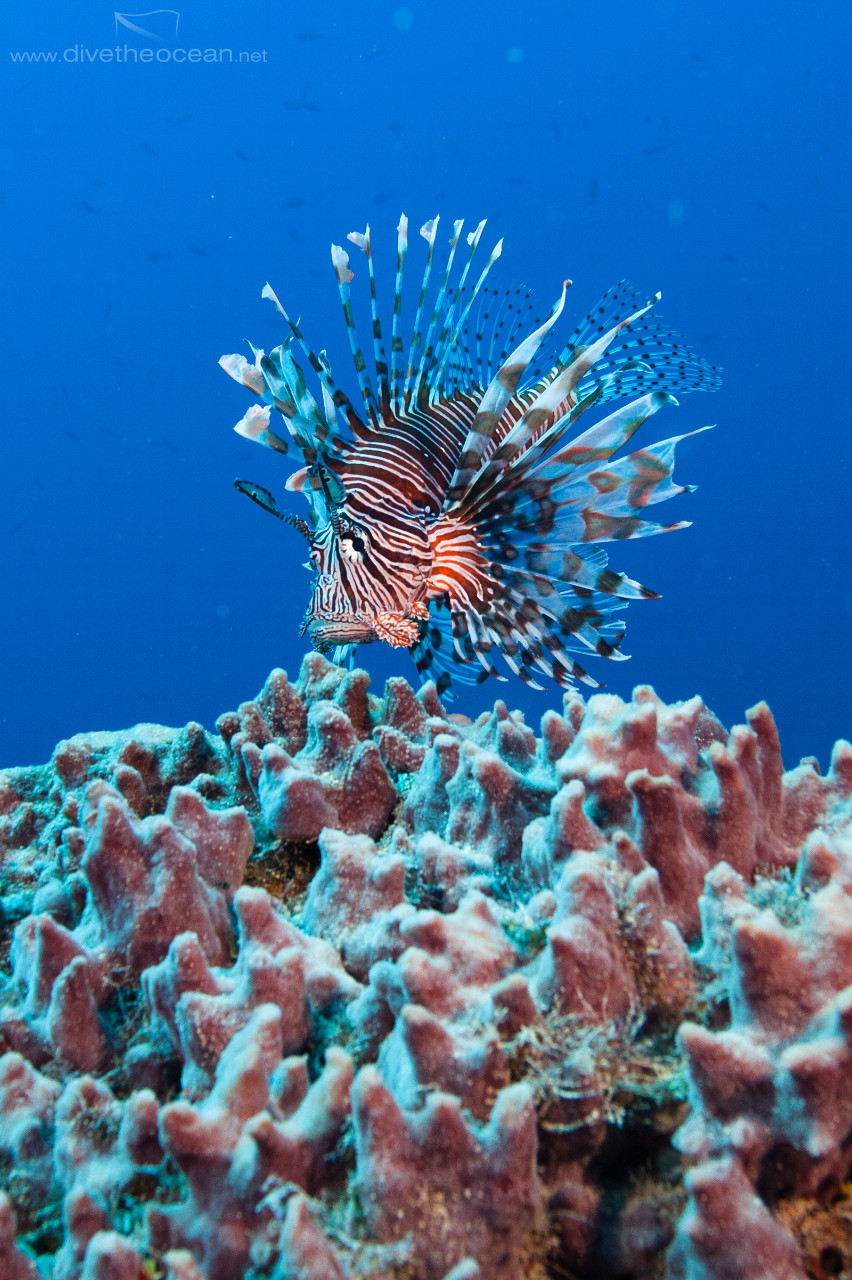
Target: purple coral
(357, 988)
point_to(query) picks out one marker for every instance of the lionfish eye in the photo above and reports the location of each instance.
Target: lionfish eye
(352, 543)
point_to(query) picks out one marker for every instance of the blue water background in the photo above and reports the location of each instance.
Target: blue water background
(697, 149)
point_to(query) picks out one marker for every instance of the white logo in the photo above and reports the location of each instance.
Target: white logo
(127, 20)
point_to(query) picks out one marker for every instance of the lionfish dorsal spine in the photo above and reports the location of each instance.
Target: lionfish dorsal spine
(437, 310)
(493, 403)
(451, 346)
(379, 357)
(340, 259)
(429, 232)
(449, 302)
(396, 370)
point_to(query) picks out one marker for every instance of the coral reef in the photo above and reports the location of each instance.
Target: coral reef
(354, 988)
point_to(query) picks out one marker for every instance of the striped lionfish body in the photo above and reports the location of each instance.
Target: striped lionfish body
(459, 510)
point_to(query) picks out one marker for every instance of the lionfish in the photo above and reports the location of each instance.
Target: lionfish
(459, 511)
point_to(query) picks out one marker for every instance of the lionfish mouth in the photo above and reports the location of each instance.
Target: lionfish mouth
(326, 633)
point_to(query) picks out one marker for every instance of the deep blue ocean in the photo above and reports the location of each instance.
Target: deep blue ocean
(148, 195)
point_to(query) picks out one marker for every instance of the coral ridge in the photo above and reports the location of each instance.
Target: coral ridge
(356, 988)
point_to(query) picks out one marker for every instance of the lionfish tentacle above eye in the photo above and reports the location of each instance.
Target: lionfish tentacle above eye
(264, 499)
(462, 515)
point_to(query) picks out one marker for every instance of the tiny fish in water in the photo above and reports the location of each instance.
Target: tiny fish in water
(458, 510)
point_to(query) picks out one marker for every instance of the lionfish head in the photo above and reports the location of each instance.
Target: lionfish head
(355, 599)
(333, 616)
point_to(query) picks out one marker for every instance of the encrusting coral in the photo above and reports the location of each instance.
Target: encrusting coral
(354, 988)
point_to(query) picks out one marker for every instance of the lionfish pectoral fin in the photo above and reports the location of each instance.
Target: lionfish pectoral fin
(255, 426)
(241, 371)
(493, 403)
(436, 657)
(396, 629)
